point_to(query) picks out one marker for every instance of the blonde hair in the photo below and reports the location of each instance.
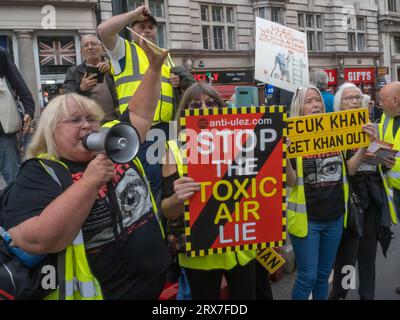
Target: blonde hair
(43, 138)
(299, 98)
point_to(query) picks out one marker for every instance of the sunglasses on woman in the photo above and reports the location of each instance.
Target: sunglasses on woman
(198, 104)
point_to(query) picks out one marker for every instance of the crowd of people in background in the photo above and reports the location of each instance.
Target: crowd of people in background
(124, 223)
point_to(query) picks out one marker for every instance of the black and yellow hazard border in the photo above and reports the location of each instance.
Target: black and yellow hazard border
(182, 138)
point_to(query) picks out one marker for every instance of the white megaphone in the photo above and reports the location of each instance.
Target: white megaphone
(120, 142)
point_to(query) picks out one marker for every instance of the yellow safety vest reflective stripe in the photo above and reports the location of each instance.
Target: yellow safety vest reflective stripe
(390, 178)
(386, 134)
(296, 204)
(224, 261)
(128, 81)
(76, 281)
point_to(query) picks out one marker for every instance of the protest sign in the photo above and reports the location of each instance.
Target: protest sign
(238, 157)
(270, 259)
(281, 55)
(327, 132)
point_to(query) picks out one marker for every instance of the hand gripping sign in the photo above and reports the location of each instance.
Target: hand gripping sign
(327, 132)
(238, 157)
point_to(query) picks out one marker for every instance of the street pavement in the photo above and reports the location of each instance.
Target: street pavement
(387, 275)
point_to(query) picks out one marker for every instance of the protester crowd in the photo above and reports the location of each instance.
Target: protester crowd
(118, 229)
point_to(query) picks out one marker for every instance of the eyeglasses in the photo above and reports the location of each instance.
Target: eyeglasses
(78, 121)
(198, 104)
(351, 98)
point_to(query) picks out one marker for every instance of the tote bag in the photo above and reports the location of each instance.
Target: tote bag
(10, 118)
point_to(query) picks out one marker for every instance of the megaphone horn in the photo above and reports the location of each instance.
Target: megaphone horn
(120, 142)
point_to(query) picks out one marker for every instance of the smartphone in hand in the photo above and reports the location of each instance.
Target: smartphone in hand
(94, 70)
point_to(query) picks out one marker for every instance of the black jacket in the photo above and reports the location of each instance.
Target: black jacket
(74, 77)
(10, 71)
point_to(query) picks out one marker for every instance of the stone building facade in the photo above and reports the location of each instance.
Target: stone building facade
(43, 37)
(213, 38)
(389, 27)
(216, 38)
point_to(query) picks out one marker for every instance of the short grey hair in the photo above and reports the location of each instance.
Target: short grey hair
(319, 79)
(90, 35)
(337, 104)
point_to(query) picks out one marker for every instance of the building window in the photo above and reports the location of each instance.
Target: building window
(392, 5)
(356, 38)
(204, 13)
(300, 18)
(158, 10)
(231, 38)
(396, 40)
(206, 37)
(56, 54)
(351, 37)
(219, 32)
(229, 15)
(261, 12)
(217, 14)
(312, 26)
(310, 41)
(310, 21)
(277, 14)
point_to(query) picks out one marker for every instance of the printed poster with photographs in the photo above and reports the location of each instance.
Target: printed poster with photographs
(281, 55)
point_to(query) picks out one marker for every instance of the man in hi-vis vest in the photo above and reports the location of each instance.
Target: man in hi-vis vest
(389, 131)
(129, 63)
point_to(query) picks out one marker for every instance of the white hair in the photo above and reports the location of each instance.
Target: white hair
(338, 96)
(319, 79)
(365, 101)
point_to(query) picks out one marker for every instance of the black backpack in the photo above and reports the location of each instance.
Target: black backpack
(17, 281)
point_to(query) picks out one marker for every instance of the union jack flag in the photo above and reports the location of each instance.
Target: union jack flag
(57, 52)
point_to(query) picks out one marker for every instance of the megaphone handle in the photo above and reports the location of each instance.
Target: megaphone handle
(116, 216)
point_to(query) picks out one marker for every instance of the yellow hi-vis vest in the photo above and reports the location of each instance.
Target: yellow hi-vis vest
(296, 204)
(75, 280)
(128, 81)
(224, 261)
(386, 134)
(390, 179)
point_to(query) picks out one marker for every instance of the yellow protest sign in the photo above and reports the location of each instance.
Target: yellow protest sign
(327, 132)
(270, 259)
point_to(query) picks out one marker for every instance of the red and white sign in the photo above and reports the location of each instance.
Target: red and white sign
(236, 155)
(332, 76)
(360, 76)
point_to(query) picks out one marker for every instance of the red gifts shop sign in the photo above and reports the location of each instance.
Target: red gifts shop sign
(332, 77)
(360, 76)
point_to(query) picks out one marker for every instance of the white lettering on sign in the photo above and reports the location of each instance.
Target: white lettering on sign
(360, 76)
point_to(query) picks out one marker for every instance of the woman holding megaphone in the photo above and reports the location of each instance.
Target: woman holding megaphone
(108, 239)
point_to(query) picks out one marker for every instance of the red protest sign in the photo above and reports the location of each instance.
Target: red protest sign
(238, 157)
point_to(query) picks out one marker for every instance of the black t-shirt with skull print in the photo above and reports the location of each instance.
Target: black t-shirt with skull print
(123, 240)
(323, 186)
